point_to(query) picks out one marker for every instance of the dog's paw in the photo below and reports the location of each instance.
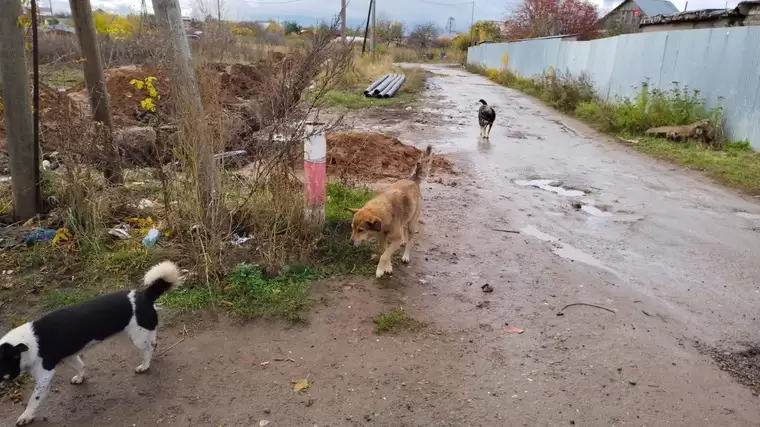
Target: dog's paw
(142, 369)
(77, 379)
(25, 420)
(406, 259)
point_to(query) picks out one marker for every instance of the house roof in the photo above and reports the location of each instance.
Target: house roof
(649, 7)
(738, 12)
(656, 7)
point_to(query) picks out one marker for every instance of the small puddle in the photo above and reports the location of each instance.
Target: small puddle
(747, 215)
(546, 184)
(594, 211)
(563, 250)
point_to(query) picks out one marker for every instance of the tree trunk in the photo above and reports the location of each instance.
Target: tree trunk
(94, 78)
(197, 146)
(19, 128)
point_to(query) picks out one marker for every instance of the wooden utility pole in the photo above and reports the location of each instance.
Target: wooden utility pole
(199, 152)
(374, 27)
(366, 27)
(19, 129)
(81, 14)
(343, 19)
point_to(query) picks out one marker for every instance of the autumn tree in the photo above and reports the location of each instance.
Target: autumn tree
(389, 32)
(485, 30)
(423, 35)
(542, 18)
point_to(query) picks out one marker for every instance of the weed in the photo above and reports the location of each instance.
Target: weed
(6, 199)
(65, 296)
(394, 321)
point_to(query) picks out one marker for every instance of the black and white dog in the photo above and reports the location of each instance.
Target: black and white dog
(38, 347)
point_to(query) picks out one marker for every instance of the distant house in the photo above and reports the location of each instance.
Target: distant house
(745, 13)
(187, 23)
(349, 39)
(625, 18)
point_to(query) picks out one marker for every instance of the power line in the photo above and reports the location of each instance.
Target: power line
(444, 4)
(252, 2)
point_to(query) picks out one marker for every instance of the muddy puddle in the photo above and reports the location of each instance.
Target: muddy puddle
(747, 215)
(546, 184)
(564, 250)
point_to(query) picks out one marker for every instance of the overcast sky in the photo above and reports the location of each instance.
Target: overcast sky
(312, 11)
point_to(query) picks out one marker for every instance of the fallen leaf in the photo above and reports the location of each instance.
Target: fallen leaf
(262, 423)
(300, 385)
(513, 330)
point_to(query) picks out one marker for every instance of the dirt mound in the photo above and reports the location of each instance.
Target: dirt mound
(125, 97)
(240, 81)
(372, 156)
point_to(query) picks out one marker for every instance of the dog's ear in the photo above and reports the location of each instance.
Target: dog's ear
(22, 348)
(375, 224)
(352, 210)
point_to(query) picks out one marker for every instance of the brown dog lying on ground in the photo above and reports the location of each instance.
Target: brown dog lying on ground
(392, 216)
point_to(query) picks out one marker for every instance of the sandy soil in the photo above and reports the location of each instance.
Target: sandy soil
(672, 255)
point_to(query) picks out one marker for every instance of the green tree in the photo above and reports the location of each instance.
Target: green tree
(292, 27)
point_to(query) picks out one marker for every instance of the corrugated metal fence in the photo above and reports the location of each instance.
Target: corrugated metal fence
(719, 62)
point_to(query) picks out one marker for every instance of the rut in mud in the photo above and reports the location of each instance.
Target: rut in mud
(662, 248)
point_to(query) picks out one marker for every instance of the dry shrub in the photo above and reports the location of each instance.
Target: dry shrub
(53, 46)
(267, 201)
(141, 49)
(364, 70)
(197, 202)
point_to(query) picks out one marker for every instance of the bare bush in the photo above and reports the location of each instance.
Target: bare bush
(261, 107)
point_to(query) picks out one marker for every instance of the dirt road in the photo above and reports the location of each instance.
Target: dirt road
(672, 254)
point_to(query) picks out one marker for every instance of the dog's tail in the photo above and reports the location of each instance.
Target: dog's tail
(159, 279)
(422, 167)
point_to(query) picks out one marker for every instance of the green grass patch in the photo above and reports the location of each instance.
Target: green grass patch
(350, 92)
(354, 99)
(62, 77)
(67, 273)
(732, 163)
(394, 321)
(248, 292)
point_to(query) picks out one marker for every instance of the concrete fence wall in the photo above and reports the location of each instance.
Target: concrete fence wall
(719, 62)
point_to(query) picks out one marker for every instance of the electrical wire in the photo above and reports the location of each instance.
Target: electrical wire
(444, 4)
(256, 2)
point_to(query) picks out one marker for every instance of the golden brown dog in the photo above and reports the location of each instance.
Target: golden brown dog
(392, 216)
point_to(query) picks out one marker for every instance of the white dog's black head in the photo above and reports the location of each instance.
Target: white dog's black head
(10, 360)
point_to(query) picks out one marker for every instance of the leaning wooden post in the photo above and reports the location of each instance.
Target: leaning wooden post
(27, 197)
(315, 173)
(94, 77)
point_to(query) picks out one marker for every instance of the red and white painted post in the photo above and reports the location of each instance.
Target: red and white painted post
(315, 172)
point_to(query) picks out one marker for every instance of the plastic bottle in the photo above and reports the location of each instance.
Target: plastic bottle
(151, 238)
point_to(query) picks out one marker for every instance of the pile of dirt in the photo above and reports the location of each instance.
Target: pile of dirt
(240, 81)
(56, 111)
(373, 156)
(124, 97)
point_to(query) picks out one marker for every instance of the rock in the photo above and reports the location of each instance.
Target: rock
(137, 145)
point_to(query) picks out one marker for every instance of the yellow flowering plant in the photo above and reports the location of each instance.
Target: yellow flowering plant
(146, 85)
